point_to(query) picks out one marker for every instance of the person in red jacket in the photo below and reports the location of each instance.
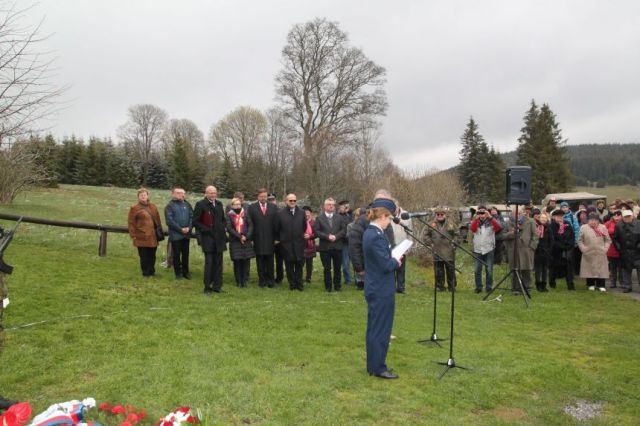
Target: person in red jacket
(484, 229)
(613, 255)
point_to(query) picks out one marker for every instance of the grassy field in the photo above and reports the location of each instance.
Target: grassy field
(612, 192)
(254, 356)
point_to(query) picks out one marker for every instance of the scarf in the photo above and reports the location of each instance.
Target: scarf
(540, 228)
(562, 227)
(238, 221)
(309, 230)
(597, 231)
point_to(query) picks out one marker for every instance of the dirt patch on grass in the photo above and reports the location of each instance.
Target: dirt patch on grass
(506, 414)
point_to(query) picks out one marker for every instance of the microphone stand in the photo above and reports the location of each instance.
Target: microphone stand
(434, 337)
(450, 362)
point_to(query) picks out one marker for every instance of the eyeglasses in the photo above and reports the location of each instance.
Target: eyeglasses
(292, 201)
(439, 214)
(617, 214)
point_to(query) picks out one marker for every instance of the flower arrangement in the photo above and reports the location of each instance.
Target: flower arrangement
(16, 415)
(130, 415)
(178, 417)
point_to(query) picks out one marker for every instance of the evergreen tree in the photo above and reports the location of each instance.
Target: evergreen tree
(540, 146)
(157, 172)
(68, 160)
(469, 169)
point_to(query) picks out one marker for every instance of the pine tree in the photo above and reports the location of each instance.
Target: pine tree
(470, 159)
(540, 146)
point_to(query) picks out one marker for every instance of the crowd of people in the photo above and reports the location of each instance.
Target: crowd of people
(595, 242)
(280, 240)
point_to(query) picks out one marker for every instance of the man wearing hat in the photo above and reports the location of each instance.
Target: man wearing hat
(551, 205)
(484, 228)
(444, 253)
(379, 288)
(563, 243)
(627, 240)
(347, 217)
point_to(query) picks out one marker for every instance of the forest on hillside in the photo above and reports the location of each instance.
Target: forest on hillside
(600, 164)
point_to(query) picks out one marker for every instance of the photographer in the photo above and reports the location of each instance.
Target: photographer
(484, 229)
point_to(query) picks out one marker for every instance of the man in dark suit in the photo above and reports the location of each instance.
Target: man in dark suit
(263, 216)
(271, 199)
(210, 223)
(330, 229)
(291, 226)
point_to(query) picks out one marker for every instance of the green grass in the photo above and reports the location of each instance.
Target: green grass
(278, 357)
(614, 191)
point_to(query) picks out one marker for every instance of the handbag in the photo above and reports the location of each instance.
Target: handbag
(158, 228)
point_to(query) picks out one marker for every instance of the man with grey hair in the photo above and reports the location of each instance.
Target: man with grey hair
(330, 229)
(210, 223)
(358, 227)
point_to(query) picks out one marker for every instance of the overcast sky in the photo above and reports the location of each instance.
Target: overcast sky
(445, 61)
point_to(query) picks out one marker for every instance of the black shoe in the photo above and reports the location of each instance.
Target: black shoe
(387, 375)
(488, 290)
(516, 293)
(219, 290)
(552, 285)
(477, 290)
(300, 288)
(186, 276)
(441, 289)
(626, 290)
(400, 291)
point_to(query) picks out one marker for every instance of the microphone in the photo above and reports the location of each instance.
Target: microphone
(407, 215)
(396, 220)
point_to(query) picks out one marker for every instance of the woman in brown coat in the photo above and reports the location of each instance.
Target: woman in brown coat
(143, 220)
(594, 241)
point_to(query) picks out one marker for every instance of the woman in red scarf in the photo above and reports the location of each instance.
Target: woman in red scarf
(594, 242)
(310, 248)
(615, 266)
(240, 229)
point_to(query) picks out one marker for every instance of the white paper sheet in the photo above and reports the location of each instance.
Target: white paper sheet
(399, 250)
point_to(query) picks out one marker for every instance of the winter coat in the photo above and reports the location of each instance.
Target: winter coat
(527, 244)
(322, 229)
(562, 244)
(594, 262)
(484, 231)
(572, 221)
(358, 227)
(178, 214)
(627, 241)
(290, 230)
(543, 251)
(611, 227)
(142, 228)
(264, 228)
(310, 245)
(443, 249)
(237, 249)
(211, 226)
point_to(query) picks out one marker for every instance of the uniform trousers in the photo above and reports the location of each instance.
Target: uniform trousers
(379, 324)
(264, 264)
(147, 260)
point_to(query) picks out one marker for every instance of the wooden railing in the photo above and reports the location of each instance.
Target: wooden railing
(104, 229)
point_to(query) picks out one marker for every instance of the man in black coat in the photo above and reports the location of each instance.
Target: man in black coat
(263, 216)
(210, 223)
(330, 228)
(291, 227)
(627, 241)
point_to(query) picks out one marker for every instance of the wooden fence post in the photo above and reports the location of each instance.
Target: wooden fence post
(102, 249)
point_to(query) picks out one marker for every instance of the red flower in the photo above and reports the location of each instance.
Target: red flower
(142, 415)
(133, 418)
(22, 412)
(105, 406)
(118, 409)
(125, 423)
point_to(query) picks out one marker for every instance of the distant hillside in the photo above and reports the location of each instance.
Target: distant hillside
(604, 164)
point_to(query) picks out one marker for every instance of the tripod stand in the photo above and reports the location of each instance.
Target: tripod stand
(451, 363)
(515, 271)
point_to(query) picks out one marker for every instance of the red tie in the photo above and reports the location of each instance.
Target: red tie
(264, 209)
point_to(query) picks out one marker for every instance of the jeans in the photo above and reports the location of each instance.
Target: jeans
(346, 264)
(488, 259)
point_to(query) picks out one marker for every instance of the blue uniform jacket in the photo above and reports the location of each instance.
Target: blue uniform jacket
(379, 279)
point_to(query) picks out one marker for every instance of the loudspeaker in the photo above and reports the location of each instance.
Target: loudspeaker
(518, 185)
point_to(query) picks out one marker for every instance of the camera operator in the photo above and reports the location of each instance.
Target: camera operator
(484, 229)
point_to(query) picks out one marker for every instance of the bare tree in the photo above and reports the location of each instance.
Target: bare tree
(239, 135)
(326, 85)
(187, 131)
(278, 152)
(26, 93)
(143, 131)
(20, 169)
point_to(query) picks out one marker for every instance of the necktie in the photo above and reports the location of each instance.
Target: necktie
(330, 218)
(264, 209)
